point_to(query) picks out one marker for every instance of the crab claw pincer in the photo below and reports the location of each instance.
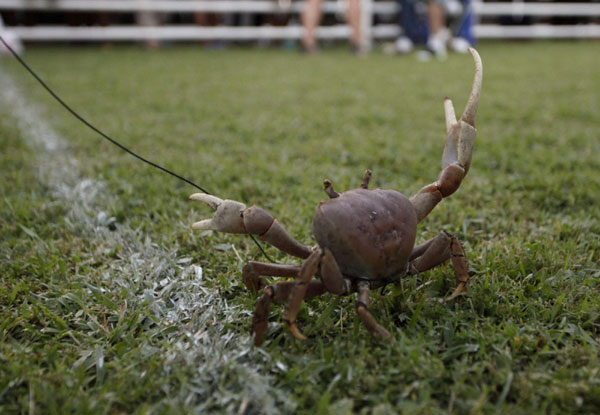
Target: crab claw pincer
(470, 111)
(227, 216)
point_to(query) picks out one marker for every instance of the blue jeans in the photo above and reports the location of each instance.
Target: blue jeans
(413, 19)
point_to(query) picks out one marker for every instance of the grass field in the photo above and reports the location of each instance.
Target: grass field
(110, 304)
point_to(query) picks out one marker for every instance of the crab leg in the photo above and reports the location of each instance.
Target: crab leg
(362, 308)
(233, 217)
(430, 254)
(460, 141)
(252, 272)
(335, 283)
(278, 293)
(308, 270)
(437, 251)
(331, 275)
(461, 268)
(303, 287)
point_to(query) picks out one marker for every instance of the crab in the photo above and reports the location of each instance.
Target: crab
(365, 237)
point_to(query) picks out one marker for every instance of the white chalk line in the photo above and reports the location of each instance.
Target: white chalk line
(171, 285)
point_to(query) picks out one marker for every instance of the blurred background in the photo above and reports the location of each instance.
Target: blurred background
(400, 26)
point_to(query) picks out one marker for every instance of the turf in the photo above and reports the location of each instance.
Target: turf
(110, 304)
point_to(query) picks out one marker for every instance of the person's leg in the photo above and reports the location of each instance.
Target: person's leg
(436, 17)
(465, 29)
(414, 26)
(354, 22)
(439, 35)
(311, 16)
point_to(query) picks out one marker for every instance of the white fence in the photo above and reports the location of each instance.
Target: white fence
(369, 9)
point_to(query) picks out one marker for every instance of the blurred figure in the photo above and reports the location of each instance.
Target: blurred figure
(424, 23)
(311, 16)
(11, 39)
(211, 20)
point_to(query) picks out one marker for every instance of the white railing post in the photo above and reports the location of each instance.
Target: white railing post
(366, 23)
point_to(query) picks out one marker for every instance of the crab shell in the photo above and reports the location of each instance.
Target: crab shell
(371, 233)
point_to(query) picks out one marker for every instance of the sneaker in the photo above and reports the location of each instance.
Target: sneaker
(459, 45)
(404, 45)
(424, 55)
(453, 7)
(437, 46)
